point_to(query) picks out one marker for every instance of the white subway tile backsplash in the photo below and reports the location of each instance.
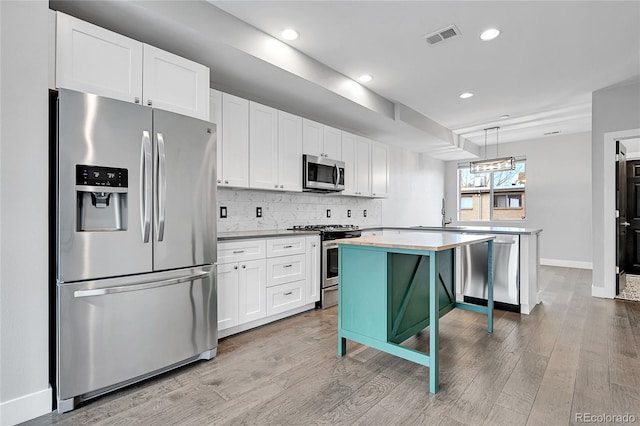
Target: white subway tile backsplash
(281, 210)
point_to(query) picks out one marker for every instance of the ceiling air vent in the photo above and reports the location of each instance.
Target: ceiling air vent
(442, 34)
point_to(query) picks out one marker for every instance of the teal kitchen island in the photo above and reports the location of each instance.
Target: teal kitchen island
(392, 287)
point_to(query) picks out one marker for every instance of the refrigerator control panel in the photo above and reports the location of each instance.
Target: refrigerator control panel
(101, 176)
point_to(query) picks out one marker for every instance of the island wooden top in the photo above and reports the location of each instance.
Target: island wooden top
(428, 241)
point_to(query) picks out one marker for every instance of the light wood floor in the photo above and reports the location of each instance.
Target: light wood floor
(574, 354)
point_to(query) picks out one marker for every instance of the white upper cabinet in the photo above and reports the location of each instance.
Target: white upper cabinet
(363, 167)
(312, 138)
(95, 60)
(234, 142)
(215, 116)
(349, 158)
(379, 170)
(321, 140)
(263, 147)
(289, 151)
(332, 143)
(356, 154)
(275, 159)
(175, 84)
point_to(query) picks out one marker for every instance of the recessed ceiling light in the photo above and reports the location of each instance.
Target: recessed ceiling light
(365, 78)
(490, 34)
(289, 34)
(502, 117)
(466, 95)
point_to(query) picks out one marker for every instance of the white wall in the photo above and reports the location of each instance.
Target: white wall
(614, 109)
(24, 349)
(415, 191)
(558, 196)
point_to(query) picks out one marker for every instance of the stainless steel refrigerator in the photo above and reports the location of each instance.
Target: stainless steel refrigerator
(135, 244)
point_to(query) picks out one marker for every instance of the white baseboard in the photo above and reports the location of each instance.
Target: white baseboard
(26, 407)
(601, 292)
(567, 263)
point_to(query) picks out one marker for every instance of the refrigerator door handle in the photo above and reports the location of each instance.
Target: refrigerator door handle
(145, 186)
(137, 287)
(162, 186)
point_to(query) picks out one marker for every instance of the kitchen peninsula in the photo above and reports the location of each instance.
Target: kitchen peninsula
(394, 286)
(516, 270)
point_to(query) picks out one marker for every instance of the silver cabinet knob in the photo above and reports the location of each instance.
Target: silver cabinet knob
(219, 181)
(136, 100)
(281, 186)
(275, 186)
(235, 267)
(226, 181)
(244, 266)
(149, 102)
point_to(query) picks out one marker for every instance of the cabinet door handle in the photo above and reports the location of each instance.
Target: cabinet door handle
(288, 246)
(219, 181)
(289, 293)
(235, 266)
(244, 266)
(136, 100)
(226, 181)
(238, 251)
(287, 266)
(281, 186)
(275, 186)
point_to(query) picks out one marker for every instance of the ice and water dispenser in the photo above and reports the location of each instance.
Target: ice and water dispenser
(101, 197)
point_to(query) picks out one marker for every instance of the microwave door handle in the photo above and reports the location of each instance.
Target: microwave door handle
(145, 186)
(162, 186)
(336, 174)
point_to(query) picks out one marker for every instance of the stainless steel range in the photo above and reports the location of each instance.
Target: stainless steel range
(329, 259)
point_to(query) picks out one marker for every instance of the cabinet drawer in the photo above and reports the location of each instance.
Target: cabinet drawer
(284, 297)
(285, 269)
(285, 246)
(242, 250)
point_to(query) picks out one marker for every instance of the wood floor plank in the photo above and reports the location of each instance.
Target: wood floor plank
(520, 391)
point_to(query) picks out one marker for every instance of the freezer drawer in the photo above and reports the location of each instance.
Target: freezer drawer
(115, 330)
(506, 277)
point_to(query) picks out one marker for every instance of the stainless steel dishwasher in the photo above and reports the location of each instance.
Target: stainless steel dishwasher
(506, 275)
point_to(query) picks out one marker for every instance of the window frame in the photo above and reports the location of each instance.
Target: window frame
(492, 192)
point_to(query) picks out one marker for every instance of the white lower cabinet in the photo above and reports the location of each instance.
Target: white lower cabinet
(227, 295)
(283, 297)
(252, 291)
(313, 269)
(260, 280)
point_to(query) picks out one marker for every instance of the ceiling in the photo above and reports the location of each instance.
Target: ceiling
(541, 71)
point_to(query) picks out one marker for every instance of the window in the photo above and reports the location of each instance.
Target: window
(466, 202)
(492, 195)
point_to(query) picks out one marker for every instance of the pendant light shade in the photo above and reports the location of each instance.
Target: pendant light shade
(492, 164)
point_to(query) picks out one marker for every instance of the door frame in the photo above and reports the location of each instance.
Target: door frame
(609, 214)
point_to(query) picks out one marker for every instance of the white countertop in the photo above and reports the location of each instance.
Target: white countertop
(430, 241)
(239, 235)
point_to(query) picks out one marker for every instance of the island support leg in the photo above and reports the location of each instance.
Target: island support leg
(342, 346)
(434, 310)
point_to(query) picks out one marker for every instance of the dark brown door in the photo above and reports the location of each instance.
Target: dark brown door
(621, 216)
(632, 264)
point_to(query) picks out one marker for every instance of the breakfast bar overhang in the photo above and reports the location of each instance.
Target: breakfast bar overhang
(392, 287)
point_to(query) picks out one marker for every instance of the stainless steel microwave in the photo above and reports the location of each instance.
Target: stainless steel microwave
(322, 174)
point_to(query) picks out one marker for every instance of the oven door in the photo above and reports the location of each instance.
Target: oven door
(329, 264)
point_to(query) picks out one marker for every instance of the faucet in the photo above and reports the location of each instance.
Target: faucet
(444, 221)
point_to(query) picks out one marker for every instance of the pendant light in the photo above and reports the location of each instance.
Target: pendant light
(497, 164)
